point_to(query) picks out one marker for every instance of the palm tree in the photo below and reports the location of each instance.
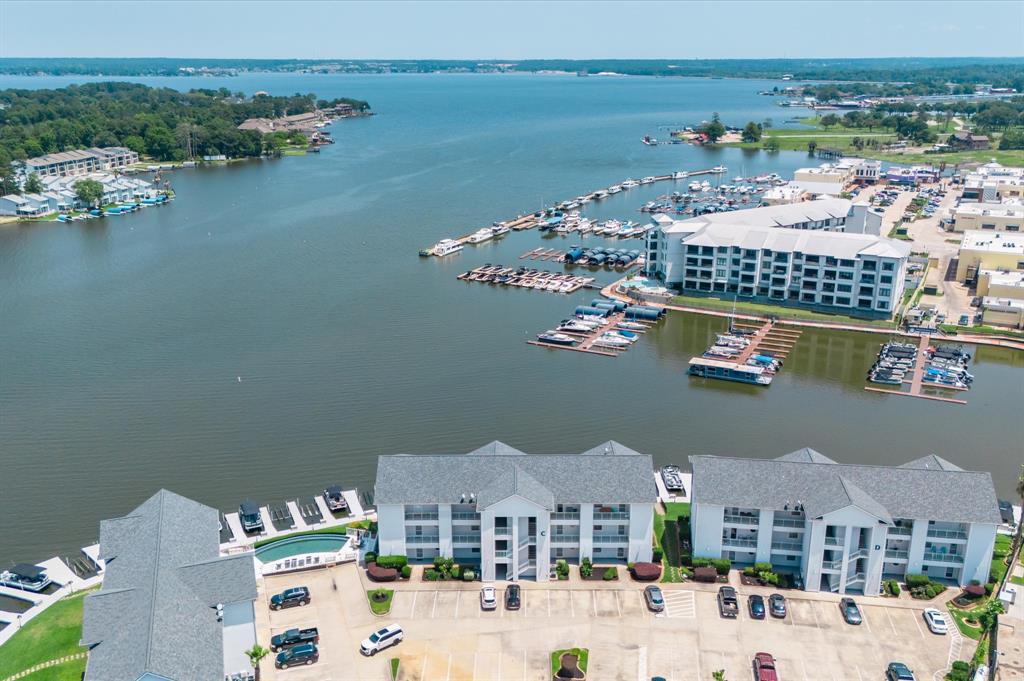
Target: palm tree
(256, 655)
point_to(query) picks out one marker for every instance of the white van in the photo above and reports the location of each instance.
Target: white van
(381, 639)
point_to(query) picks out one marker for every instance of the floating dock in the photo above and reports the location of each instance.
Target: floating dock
(588, 339)
(766, 349)
(917, 379)
(541, 280)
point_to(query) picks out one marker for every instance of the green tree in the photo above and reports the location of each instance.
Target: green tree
(767, 124)
(1020, 495)
(135, 143)
(771, 144)
(811, 147)
(752, 132)
(713, 130)
(89, 192)
(989, 614)
(828, 120)
(256, 655)
(33, 185)
(160, 143)
(8, 183)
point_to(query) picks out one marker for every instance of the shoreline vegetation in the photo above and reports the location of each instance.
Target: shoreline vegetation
(161, 124)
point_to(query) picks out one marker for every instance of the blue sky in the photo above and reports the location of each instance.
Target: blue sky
(510, 30)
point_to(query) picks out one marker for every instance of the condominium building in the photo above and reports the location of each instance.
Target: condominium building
(991, 217)
(81, 161)
(989, 251)
(845, 528)
(513, 515)
(777, 255)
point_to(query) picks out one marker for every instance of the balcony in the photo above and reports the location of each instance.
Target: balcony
(464, 515)
(789, 547)
(503, 553)
(835, 541)
(859, 553)
(789, 522)
(901, 530)
(421, 516)
(947, 534)
(503, 531)
(740, 519)
(831, 565)
(943, 557)
(422, 539)
(566, 515)
(615, 515)
(565, 539)
(466, 539)
(897, 555)
(611, 539)
(735, 541)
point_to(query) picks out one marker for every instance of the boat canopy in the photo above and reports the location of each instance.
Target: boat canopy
(27, 570)
(731, 366)
(249, 508)
(587, 310)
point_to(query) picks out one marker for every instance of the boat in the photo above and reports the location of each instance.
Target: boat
(335, 499)
(719, 170)
(447, 247)
(631, 326)
(614, 189)
(647, 180)
(630, 336)
(728, 371)
(26, 577)
(500, 229)
(694, 186)
(672, 477)
(575, 326)
(609, 341)
(680, 174)
(600, 193)
(630, 183)
(555, 338)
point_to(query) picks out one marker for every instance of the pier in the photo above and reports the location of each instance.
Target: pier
(543, 254)
(917, 379)
(586, 343)
(541, 280)
(747, 353)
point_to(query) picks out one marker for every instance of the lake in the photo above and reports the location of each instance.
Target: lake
(273, 330)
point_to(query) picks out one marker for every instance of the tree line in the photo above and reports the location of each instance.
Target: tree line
(161, 123)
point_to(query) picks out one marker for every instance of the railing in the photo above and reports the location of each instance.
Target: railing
(421, 539)
(465, 515)
(502, 553)
(789, 522)
(733, 541)
(466, 539)
(943, 557)
(614, 515)
(897, 554)
(901, 530)
(741, 519)
(834, 541)
(858, 577)
(611, 539)
(947, 534)
(787, 546)
(421, 516)
(832, 565)
(859, 553)
(566, 515)
(565, 539)
(503, 531)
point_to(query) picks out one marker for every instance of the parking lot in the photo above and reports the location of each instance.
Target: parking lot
(449, 638)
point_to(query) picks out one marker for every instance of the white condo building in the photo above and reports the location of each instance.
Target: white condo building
(514, 514)
(796, 254)
(845, 528)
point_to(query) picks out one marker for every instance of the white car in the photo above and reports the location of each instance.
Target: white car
(381, 639)
(488, 597)
(935, 621)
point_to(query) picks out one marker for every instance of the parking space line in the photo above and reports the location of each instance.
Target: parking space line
(892, 624)
(618, 606)
(643, 604)
(423, 668)
(593, 601)
(641, 663)
(524, 665)
(458, 602)
(412, 613)
(448, 674)
(572, 605)
(814, 611)
(918, 625)
(433, 610)
(500, 655)
(549, 603)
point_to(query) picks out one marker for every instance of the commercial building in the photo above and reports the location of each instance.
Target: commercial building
(912, 176)
(845, 528)
(989, 251)
(514, 514)
(787, 255)
(993, 183)
(833, 178)
(993, 217)
(171, 608)
(81, 161)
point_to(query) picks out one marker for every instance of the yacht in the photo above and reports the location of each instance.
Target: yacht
(680, 174)
(447, 247)
(611, 341)
(480, 235)
(614, 189)
(719, 169)
(556, 338)
(600, 193)
(647, 180)
(630, 326)
(738, 178)
(500, 229)
(630, 183)
(694, 186)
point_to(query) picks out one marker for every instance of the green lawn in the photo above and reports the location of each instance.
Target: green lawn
(666, 538)
(1014, 157)
(556, 658)
(744, 307)
(339, 529)
(380, 607)
(968, 630)
(1017, 580)
(981, 330)
(54, 633)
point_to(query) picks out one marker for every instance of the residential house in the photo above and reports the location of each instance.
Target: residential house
(966, 140)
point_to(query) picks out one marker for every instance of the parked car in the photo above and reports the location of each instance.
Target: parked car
(764, 667)
(755, 604)
(512, 600)
(381, 639)
(306, 653)
(727, 603)
(897, 671)
(289, 598)
(654, 598)
(293, 637)
(777, 605)
(334, 499)
(488, 597)
(964, 320)
(851, 613)
(936, 622)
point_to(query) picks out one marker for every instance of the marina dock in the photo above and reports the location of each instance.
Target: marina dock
(522, 277)
(917, 382)
(605, 328)
(747, 353)
(543, 254)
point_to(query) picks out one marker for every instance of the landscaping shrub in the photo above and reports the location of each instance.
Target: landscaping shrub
(646, 572)
(893, 587)
(438, 562)
(562, 569)
(610, 574)
(960, 671)
(456, 571)
(656, 556)
(749, 571)
(406, 571)
(397, 562)
(468, 575)
(370, 557)
(762, 567)
(721, 565)
(376, 573)
(431, 575)
(915, 581)
(705, 574)
(586, 568)
(769, 578)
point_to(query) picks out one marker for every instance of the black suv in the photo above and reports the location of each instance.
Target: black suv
(512, 601)
(288, 598)
(303, 654)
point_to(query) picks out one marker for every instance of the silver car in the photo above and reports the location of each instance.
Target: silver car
(655, 601)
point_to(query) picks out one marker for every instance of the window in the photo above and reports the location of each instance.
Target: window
(720, 272)
(621, 553)
(884, 292)
(476, 549)
(1012, 228)
(598, 527)
(419, 553)
(622, 529)
(888, 266)
(885, 279)
(792, 535)
(558, 553)
(720, 261)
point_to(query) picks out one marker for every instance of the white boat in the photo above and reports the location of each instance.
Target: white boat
(694, 186)
(719, 169)
(630, 183)
(680, 174)
(480, 236)
(631, 326)
(647, 180)
(738, 178)
(498, 230)
(447, 247)
(600, 193)
(606, 341)
(614, 189)
(631, 338)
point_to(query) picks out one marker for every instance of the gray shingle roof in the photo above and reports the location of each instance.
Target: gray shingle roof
(156, 612)
(807, 455)
(620, 476)
(913, 491)
(932, 461)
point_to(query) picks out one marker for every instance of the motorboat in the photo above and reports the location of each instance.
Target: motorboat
(680, 174)
(719, 169)
(630, 183)
(647, 180)
(555, 338)
(575, 326)
(447, 247)
(335, 499)
(249, 516)
(500, 229)
(630, 336)
(614, 189)
(600, 193)
(611, 341)
(694, 186)
(631, 326)
(673, 478)
(26, 577)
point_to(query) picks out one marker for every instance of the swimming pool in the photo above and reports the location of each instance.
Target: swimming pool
(303, 544)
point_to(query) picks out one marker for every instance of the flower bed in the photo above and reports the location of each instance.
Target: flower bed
(380, 600)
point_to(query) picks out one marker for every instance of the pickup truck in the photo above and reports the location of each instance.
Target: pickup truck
(728, 606)
(294, 637)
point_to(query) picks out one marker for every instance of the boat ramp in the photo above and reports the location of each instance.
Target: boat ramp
(522, 277)
(928, 366)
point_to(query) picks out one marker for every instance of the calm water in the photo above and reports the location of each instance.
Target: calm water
(123, 340)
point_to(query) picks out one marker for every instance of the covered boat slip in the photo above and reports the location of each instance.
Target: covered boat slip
(290, 516)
